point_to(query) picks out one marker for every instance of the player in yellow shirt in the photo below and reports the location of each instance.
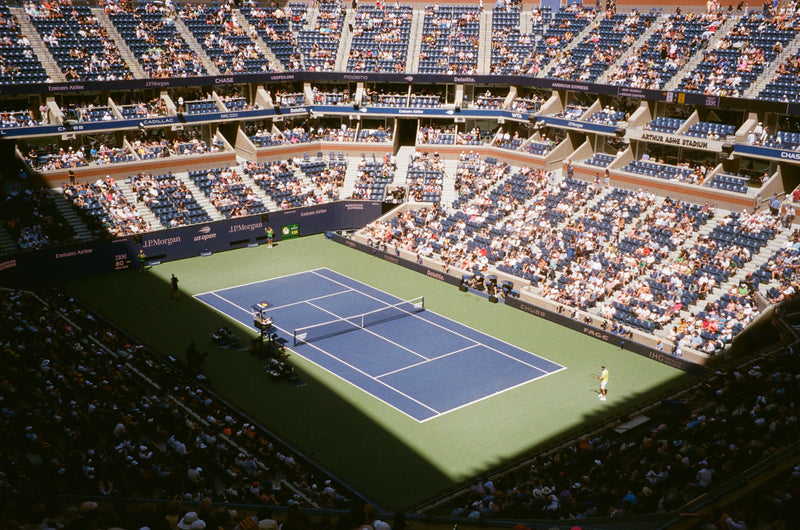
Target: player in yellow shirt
(603, 377)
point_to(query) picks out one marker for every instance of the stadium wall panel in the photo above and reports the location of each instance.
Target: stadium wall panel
(98, 257)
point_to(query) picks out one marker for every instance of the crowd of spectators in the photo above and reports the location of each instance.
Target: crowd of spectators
(736, 59)
(33, 220)
(78, 42)
(527, 103)
(425, 177)
(228, 192)
(18, 61)
(168, 198)
(327, 177)
(224, 39)
(287, 189)
(373, 177)
(379, 134)
(107, 209)
(380, 39)
(602, 47)
(450, 40)
(669, 48)
(54, 158)
(319, 44)
(150, 33)
(436, 134)
(18, 118)
(622, 255)
(509, 45)
(144, 109)
(95, 413)
(274, 25)
(330, 95)
(687, 445)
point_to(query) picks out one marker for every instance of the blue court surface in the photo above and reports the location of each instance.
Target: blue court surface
(421, 364)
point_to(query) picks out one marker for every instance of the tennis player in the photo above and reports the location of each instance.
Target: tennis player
(603, 377)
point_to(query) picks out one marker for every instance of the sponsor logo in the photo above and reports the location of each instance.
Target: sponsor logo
(351, 77)
(630, 92)
(434, 274)
(464, 79)
(351, 244)
(245, 227)
(790, 155)
(65, 88)
(9, 264)
(313, 212)
(223, 80)
(669, 360)
(595, 333)
(228, 115)
(156, 121)
(282, 77)
(675, 140)
(533, 310)
(391, 259)
(204, 236)
(157, 84)
(73, 253)
(356, 206)
(570, 86)
(161, 241)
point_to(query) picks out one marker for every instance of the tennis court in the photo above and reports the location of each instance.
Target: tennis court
(412, 359)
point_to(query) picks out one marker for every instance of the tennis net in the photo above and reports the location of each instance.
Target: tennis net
(364, 320)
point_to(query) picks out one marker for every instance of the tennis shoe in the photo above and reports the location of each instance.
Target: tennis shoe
(602, 397)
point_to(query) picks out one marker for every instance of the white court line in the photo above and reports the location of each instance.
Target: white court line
(234, 305)
(421, 317)
(324, 352)
(429, 360)
(349, 288)
(369, 330)
(436, 412)
(257, 281)
(487, 396)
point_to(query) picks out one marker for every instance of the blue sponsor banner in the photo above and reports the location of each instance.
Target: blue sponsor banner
(766, 152)
(428, 112)
(83, 127)
(574, 124)
(600, 334)
(98, 257)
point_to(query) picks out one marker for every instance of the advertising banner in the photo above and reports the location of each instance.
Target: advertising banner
(290, 231)
(97, 257)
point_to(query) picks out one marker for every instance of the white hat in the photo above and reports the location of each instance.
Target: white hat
(198, 525)
(188, 519)
(267, 524)
(537, 493)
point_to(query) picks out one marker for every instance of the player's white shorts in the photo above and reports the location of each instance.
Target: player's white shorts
(603, 385)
